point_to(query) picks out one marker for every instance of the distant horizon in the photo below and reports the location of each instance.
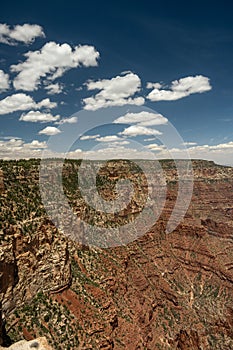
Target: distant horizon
(119, 159)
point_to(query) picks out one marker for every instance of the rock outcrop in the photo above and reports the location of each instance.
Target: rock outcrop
(36, 344)
(30, 265)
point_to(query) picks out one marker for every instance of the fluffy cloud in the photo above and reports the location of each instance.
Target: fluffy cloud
(179, 88)
(155, 147)
(119, 152)
(70, 120)
(25, 33)
(37, 116)
(119, 143)
(142, 118)
(137, 130)
(23, 102)
(16, 148)
(153, 85)
(89, 137)
(52, 61)
(221, 146)
(221, 153)
(37, 144)
(117, 91)
(114, 140)
(54, 89)
(4, 81)
(50, 131)
(46, 103)
(109, 138)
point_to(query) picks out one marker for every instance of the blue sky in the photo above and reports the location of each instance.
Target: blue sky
(173, 58)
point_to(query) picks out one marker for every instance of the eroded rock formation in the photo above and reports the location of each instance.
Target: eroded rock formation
(39, 344)
(163, 291)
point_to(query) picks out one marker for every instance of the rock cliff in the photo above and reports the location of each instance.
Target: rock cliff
(39, 344)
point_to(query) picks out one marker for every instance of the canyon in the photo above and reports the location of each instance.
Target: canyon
(160, 291)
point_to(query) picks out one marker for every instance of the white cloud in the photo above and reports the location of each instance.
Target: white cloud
(50, 131)
(117, 91)
(150, 139)
(37, 116)
(23, 102)
(142, 118)
(70, 120)
(137, 130)
(179, 88)
(155, 147)
(153, 85)
(109, 138)
(114, 140)
(10, 137)
(54, 89)
(37, 144)
(221, 153)
(4, 81)
(119, 143)
(189, 143)
(16, 142)
(113, 152)
(51, 62)
(221, 146)
(16, 148)
(89, 137)
(25, 33)
(46, 103)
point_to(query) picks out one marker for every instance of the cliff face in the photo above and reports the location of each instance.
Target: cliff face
(163, 291)
(30, 265)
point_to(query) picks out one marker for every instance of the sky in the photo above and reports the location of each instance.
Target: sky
(119, 79)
